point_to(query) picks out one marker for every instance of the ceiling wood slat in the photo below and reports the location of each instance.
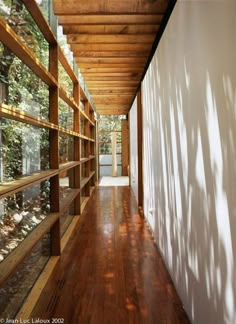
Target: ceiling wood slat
(85, 7)
(111, 42)
(111, 39)
(111, 29)
(111, 69)
(95, 20)
(90, 67)
(111, 60)
(111, 54)
(87, 47)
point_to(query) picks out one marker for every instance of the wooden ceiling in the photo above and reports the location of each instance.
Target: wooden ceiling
(112, 41)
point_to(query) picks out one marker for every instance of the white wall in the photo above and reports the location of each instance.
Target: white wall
(133, 148)
(189, 111)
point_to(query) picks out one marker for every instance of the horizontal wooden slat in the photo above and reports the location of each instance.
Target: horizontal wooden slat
(112, 91)
(68, 165)
(9, 188)
(142, 47)
(108, 60)
(111, 39)
(111, 77)
(112, 97)
(71, 7)
(112, 86)
(86, 180)
(110, 69)
(106, 19)
(111, 29)
(8, 265)
(84, 160)
(133, 75)
(66, 65)
(112, 102)
(110, 73)
(97, 67)
(12, 41)
(111, 54)
(66, 202)
(82, 94)
(113, 106)
(69, 100)
(114, 111)
(85, 138)
(12, 187)
(66, 131)
(16, 114)
(83, 114)
(38, 17)
(112, 83)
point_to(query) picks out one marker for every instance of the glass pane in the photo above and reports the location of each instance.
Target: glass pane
(20, 20)
(83, 171)
(20, 213)
(24, 150)
(82, 148)
(92, 132)
(104, 137)
(105, 148)
(62, 40)
(44, 6)
(118, 148)
(110, 123)
(83, 194)
(81, 106)
(82, 126)
(105, 159)
(20, 87)
(105, 171)
(118, 137)
(66, 115)
(92, 148)
(19, 285)
(92, 165)
(66, 148)
(66, 218)
(65, 81)
(66, 183)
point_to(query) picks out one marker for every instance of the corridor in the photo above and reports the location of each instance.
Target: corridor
(110, 271)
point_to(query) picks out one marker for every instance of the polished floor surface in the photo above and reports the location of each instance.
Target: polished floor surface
(111, 270)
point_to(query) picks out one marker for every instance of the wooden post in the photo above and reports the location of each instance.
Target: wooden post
(87, 148)
(77, 209)
(125, 146)
(140, 150)
(114, 159)
(54, 149)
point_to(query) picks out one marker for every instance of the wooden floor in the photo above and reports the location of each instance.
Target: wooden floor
(111, 271)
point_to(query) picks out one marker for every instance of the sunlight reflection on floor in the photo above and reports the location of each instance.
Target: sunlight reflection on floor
(114, 181)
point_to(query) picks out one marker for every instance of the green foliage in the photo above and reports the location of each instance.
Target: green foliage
(24, 149)
(107, 125)
(18, 17)
(66, 150)
(22, 142)
(66, 115)
(110, 123)
(65, 81)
